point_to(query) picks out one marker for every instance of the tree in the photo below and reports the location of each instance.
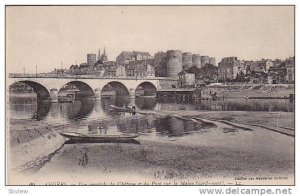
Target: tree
(241, 77)
(208, 73)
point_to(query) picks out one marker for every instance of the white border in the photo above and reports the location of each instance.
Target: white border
(132, 190)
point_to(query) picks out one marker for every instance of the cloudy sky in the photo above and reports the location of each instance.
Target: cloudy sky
(46, 36)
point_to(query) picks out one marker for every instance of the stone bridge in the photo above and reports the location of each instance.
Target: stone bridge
(48, 87)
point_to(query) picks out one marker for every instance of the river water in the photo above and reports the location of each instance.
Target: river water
(22, 108)
(80, 113)
(183, 132)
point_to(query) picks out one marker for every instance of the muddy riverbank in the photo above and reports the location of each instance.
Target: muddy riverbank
(220, 152)
(251, 90)
(30, 142)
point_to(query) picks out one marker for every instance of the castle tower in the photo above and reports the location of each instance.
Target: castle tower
(187, 61)
(174, 63)
(204, 60)
(212, 60)
(197, 60)
(91, 59)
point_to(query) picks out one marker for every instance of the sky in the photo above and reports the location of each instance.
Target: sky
(52, 37)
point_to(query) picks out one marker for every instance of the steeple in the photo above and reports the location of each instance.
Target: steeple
(99, 55)
(104, 56)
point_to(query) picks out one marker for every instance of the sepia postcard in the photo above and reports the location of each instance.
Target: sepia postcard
(150, 95)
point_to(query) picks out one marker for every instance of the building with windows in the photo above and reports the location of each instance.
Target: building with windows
(140, 68)
(126, 56)
(228, 69)
(261, 65)
(290, 73)
(150, 72)
(277, 75)
(290, 70)
(185, 79)
(259, 78)
(115, 71)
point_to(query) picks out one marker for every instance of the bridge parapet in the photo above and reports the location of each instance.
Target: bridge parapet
(16, 75)
(50, 83)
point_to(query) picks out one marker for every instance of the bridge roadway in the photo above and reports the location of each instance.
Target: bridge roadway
(47, 87)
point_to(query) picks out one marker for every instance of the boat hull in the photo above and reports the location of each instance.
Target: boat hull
(118, 109)
(97, 138)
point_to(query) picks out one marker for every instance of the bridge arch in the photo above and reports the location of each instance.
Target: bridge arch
(40, 90)
(114, 86)
(146, 88)
(86, 90)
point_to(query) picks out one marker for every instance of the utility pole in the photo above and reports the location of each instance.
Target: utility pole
(24, 71)
(36, 71)
(61, 68)
(136, 73)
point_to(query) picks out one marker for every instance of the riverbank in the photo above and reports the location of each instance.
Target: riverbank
(214, 155)
(250, 91)
(30, 142)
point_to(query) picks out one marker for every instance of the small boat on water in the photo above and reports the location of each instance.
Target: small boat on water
(97, 137)
(69, 98)
(147, 96)
(130, 109)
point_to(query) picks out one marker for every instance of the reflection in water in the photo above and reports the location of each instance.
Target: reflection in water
(169, 126)
(80, 109)
(54, 112)
(174, 126)
(145, 103)
(119, 101)
(121, 125)
(135, 125)
(26, 107)
(43, 109)
(22, 111)
(78, 115)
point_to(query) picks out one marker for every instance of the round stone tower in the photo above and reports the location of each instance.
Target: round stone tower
(204, 60)
(212, 60)
(187, 61)
(197, 60)
(174, 63)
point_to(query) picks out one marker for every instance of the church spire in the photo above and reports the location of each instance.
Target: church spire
(104, 52)
(104, 56)
(99, 55)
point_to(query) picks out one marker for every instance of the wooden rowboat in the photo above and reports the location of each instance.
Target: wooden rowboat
(122, 109)
(97, 137)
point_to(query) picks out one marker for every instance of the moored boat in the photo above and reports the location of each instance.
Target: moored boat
(130, 109)
(69, 98)
(97, 137)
